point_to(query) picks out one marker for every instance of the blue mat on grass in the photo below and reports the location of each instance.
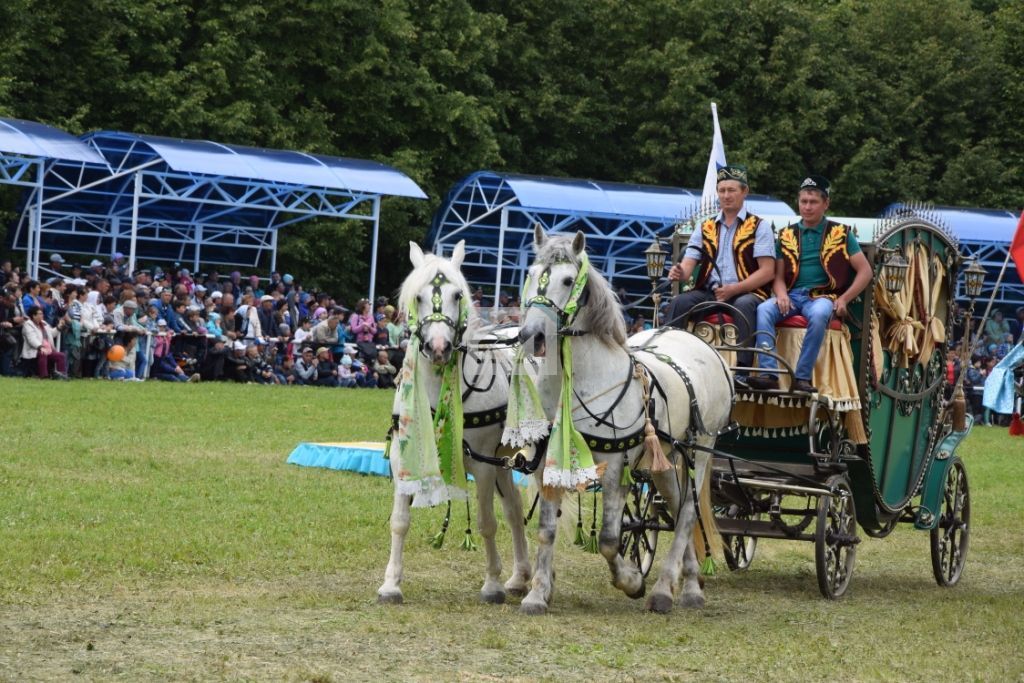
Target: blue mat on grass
(364, 457)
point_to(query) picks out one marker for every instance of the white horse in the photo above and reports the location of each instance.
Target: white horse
(484, 386)
(609, 404)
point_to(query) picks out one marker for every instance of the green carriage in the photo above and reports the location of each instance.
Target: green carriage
(874, 447)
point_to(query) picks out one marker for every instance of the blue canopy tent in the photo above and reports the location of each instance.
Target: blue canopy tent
(196, 201)
(26, 150)
(495, 214)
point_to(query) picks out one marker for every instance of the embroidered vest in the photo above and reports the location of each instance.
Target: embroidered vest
(742, 251)
(835, 260)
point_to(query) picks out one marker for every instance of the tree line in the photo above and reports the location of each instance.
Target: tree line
(891, 99)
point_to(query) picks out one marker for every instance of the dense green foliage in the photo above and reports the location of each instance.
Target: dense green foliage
(908, 99)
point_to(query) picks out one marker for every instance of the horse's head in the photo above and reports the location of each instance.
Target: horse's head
(564, 292)
(435, 298)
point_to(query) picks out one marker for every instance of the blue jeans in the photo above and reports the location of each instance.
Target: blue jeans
(121, 373)
(818, 313)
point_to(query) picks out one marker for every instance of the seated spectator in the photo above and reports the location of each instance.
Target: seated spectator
(285, 370)
(165, 367)
(212, 367)
(365, 377)
(235, 366)
(397, 329)
(305, 368)
(123, 367)
(39, 346)
(327, 373)
(260, 371)
(346, 378)
(385, 371)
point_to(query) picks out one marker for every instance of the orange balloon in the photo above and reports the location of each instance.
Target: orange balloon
(115, 353)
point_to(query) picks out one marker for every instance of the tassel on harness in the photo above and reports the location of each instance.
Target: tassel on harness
(653, 459)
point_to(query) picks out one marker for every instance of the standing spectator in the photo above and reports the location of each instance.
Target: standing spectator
(11, 321)
(364, 328)
(265, 313)
(996, 328)
(38, 345)
(396, 327)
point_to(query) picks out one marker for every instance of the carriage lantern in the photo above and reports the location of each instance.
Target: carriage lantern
(974, 278)
(655, 256)
(894, 271)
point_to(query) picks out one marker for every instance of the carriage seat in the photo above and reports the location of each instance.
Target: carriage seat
(717, 319)
(798, 321)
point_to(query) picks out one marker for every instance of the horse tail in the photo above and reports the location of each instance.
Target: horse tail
(710, 528)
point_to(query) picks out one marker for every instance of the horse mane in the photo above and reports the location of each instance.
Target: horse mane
(421, 277)
(602, 309)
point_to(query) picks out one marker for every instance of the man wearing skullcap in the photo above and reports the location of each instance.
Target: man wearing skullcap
(733, 254)
(819, 271)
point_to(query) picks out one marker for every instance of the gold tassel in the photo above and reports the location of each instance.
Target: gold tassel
(652, 448)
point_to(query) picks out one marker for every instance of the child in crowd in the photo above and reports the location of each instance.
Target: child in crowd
(346, 378)
(301, 335)
(385, 371)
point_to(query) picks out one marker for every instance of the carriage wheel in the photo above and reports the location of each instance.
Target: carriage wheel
(640, 525)
(835, 539)
(739, 549)
(950, 538)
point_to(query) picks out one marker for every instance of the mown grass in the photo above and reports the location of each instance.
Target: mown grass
(150, 531)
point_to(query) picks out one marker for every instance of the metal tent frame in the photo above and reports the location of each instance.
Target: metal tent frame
(495, 214)
(194, 201)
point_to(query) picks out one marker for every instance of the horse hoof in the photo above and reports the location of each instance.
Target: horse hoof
(533, 609)
(693, 600)
(641, 592)
(389, 598)
(660, 603)
(495, 598)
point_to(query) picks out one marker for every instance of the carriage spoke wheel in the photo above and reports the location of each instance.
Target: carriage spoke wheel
(950, 538)
(835, 539)
(739, 550)
(640, 524)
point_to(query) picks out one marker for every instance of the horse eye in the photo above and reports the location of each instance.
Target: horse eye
(567, 281)
(458, 296)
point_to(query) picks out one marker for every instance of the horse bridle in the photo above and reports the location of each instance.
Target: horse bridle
(437, 314)
(567, 314)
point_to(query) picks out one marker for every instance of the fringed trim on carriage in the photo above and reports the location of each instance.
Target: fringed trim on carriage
(525, 433)
(789, 401)
(773, 432)
(429, 492)
(578, 479)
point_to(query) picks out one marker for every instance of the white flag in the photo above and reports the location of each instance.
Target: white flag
(716, 161)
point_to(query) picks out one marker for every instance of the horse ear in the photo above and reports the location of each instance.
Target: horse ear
(579, 242)
(415, 255)
(538, 237)
(459, 254)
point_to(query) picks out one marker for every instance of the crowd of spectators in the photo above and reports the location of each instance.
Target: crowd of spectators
(100, 321)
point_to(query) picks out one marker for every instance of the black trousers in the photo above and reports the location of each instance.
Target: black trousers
(745, 323)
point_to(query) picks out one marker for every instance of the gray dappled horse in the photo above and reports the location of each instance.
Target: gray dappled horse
(609, 404)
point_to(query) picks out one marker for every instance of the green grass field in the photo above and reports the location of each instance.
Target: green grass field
(151, 531)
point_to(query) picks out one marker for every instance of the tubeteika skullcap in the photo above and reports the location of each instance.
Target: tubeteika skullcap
(816, 182)
(738, 173)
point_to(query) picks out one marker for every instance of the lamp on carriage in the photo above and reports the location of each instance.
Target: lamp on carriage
(894, 271)
(655, 256)
(974, 278)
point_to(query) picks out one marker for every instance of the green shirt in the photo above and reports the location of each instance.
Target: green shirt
(812, 274)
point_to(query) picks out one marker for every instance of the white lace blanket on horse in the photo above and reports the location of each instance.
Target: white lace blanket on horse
(429, 465)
